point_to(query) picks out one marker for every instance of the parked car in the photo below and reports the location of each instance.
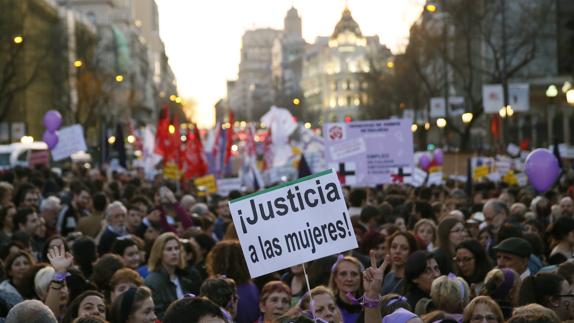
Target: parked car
(24, 154)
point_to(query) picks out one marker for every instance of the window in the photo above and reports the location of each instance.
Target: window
(348, 85)
(349, 100)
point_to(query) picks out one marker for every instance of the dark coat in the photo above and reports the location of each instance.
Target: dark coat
(164, 291)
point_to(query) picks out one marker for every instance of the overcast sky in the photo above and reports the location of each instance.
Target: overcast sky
(203, 38)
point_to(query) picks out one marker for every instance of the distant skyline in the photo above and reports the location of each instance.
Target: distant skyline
(203, 38)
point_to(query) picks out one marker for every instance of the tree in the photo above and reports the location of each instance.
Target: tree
(477, 49)
(21, 58)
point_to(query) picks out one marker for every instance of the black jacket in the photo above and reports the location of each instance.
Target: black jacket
(164, 291)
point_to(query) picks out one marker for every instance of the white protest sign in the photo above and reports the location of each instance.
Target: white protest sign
(226, 185)
(369, 152)
(293, 223)
(70, 141)
(492, 97)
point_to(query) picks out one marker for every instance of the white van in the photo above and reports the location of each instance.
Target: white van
(20, 154)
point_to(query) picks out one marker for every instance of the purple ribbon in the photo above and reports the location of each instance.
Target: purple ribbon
(339, 259)
(453, 277)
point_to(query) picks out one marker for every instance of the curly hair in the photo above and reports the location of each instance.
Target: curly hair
(226, 258)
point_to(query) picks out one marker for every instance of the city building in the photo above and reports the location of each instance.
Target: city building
(253, 93)
(288, 53)
(335, 82)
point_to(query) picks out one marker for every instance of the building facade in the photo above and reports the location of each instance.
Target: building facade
(335, 79)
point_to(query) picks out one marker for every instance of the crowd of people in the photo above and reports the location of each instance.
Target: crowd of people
(90, 245)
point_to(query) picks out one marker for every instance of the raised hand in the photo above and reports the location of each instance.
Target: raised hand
(373, 276)
(60, 259)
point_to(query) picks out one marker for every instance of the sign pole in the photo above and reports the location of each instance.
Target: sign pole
(311, 302)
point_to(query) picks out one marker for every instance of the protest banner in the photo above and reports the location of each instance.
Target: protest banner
(70, 140)
(369, 152)
(171, 171)
(205, 184)
(226, 185)
(293, 223)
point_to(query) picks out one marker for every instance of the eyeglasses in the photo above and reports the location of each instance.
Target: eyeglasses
(464, 259)
(481, 318)
(459, 230)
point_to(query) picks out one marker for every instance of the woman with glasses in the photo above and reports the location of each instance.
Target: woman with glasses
(472, 264)
(549, 290)
(451, 232)
(481, 309)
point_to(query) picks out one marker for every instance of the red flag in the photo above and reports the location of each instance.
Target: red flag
(162, 132)
(229, 138)
(193, 157)
(495, 127)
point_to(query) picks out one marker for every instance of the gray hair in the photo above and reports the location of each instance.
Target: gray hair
(499, 207)
(113, 205)
(199, 208)
(31, 311)
(50, 203)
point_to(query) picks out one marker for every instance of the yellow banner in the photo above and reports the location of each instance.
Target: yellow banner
(171, 171)
(206, 184)
(480, 172)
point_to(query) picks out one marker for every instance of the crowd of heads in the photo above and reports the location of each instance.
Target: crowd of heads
(96, 246)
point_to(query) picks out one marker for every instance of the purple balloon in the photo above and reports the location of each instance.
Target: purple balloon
(424, 161)
(542, 169)
(51, 139)
(52, 120)
(438, 156)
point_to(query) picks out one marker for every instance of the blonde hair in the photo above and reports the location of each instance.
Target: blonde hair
(469, 309)
(428, 222)
(450, 293)
(333, 286)
(42, 281)
(304, 302)
(156, 253)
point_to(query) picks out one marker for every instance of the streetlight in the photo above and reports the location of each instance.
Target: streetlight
(171, 129)
(112, 140)
(414, 127)
(27, 139)
(296, 101)
(431, 7)
(119, 78)
(552, 91)
(391, 64)
(441, 122)
(307, 125)
(18, 40)
(131, 139)
(570, 96)
(467, 117)
(78, 63)
(427, 125)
